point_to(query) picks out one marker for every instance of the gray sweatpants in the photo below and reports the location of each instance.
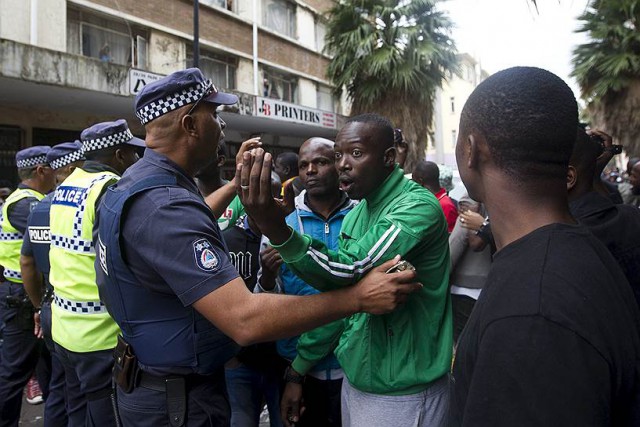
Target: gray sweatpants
(426, 409)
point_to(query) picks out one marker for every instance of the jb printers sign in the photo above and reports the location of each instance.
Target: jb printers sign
(274, 109)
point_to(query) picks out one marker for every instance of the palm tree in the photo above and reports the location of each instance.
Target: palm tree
(608, 68)
(391, 55)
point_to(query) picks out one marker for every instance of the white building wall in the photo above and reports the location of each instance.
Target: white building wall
(244, 8)
(445, 120)
(52, 24)
(307, 95)
(50, 20)
(166, 53)
(17, 24)
(306, 26)
(244, 76)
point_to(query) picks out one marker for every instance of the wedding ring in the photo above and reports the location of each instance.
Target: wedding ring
(244, 187)
(461, 219)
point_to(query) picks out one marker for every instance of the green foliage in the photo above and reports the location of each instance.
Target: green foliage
(391, 55)
(607, 68)
(610, 61)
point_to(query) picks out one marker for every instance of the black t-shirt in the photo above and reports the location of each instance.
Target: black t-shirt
(553, 340)
(244, 253)
(618, 227)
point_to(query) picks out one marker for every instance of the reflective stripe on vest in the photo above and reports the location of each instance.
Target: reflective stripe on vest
(72, 273)
(83, 307)
(72, 244)
(12, 274)
(11, 238)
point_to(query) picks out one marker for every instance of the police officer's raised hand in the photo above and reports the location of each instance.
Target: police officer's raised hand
(380, 293)
(253, 185)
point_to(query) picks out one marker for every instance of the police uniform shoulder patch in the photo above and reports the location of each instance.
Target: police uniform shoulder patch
(205, 255)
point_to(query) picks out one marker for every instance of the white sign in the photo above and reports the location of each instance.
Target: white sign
(139, 79)
(275, 109)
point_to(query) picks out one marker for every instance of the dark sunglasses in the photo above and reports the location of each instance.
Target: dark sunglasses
(209, 88)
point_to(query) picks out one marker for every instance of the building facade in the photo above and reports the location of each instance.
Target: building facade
(66, 64)
(450, 99)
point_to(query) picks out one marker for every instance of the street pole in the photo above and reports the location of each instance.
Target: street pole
(196, 33)
(256, 85)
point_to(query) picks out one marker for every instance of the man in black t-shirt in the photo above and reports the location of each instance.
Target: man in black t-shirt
(255, 375)
(554, 337)
(617, 226)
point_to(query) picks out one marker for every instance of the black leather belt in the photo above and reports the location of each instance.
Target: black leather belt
(158, 383)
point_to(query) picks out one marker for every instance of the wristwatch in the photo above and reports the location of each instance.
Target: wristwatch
(291, 376)
(483, 227)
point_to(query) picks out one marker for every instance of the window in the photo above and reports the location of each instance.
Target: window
(454, 137)
(280, 16)
(221, 69)
(470, 73)
(325, 98)
(105, 39)
(453, 104)
(280, 86)
(225, 4)
(321, 32)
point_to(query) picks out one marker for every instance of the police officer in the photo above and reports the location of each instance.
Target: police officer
(165, 274)
(82, 330)
(34, 262)
(21, 348)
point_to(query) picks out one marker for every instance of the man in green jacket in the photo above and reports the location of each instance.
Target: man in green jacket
(396, 364)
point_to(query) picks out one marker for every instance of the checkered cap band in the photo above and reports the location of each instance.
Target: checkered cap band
(12, 274)
(32, 161)
(107, 141)
(66, 159)
(82, 307)
(165, 105)
(72, 244)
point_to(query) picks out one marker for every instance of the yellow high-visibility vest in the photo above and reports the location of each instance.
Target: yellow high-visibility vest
(11, 238)
(80, 322)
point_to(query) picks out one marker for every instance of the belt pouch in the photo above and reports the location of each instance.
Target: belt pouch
(176, 401)
(125, 368)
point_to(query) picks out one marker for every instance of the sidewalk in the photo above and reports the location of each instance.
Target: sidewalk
(32, 415)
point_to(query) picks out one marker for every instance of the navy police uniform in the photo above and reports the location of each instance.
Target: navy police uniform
(61, 400)
(83, 332)
(21, 349)
(159, 250)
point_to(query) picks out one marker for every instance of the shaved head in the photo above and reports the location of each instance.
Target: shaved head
(317, 143)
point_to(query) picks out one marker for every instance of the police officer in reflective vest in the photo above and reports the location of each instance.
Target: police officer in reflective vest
(83, 332)
(164, 271)
(34, 262)
(21, 348)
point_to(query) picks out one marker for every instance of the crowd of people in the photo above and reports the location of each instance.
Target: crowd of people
(144, 289)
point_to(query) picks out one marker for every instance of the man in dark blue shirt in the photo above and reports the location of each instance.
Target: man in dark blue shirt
(165, 276)
(21, 348)
(34, 265)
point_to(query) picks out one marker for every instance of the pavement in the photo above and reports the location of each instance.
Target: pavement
(32, 415)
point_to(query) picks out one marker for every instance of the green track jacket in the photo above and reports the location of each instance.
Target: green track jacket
(402, 352)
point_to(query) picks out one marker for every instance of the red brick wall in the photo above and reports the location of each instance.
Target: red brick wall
(218, 27)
